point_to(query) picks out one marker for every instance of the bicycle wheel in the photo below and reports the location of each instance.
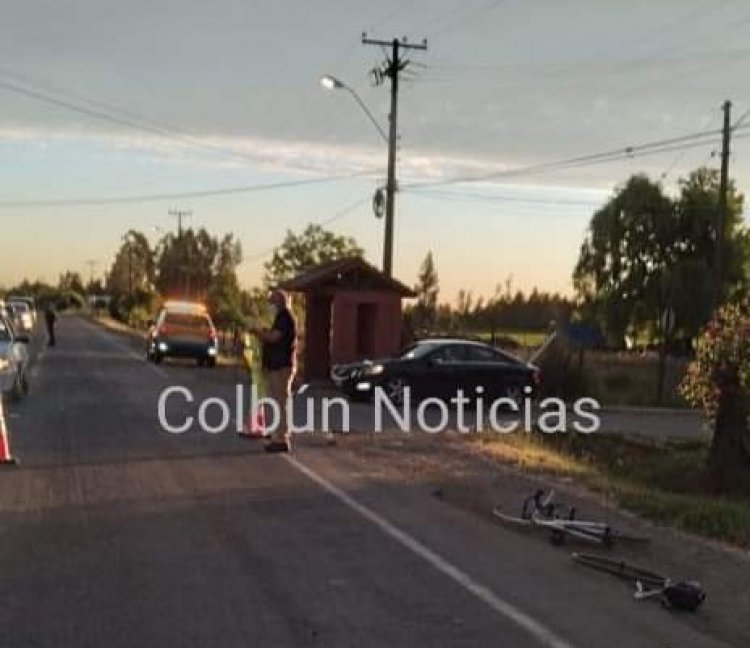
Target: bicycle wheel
(621, 569)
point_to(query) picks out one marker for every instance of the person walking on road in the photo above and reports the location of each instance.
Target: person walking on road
(279, 363)
(50, 319)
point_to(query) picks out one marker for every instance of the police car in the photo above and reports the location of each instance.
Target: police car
(183, 330)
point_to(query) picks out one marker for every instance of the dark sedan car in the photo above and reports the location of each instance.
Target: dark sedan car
(440, 368)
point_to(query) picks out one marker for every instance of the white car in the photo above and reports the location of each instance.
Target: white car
(29, 301)
(23, 315)
(14, 360)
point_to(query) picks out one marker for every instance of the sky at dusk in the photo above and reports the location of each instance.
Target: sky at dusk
(113, 113)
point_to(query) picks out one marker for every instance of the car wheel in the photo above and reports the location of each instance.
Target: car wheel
(395, 389)
(156, 358)
(210, 362)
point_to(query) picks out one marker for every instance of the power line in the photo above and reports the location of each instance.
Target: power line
(464, 195)
(681, 155)
(741, 119)
(116, 200)
(61, 103)
(597, 58)
(442, 16)
(335, 217)
(104, 111)
(472, 13)
(450, 73)
(395, 12)
(661, 146)
(659, 31)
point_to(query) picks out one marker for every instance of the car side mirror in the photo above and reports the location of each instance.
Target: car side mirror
(23, 339)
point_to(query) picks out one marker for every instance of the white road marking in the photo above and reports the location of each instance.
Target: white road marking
(539, 631)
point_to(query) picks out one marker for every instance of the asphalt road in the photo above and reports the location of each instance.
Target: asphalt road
(114, 532)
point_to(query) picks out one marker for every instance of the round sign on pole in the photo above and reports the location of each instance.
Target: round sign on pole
(378, 203)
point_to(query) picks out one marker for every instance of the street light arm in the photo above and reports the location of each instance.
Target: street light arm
(332, 83)
(368, 113)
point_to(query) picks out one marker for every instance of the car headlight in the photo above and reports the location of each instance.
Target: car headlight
(373, 370)
(4, 364)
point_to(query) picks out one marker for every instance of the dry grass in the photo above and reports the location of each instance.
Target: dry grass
(664, 484)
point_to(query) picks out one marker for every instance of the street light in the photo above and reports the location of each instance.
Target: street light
(332, 83)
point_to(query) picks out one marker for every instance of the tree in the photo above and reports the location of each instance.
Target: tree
(645, 253)
(133, 267)
(71, 281)
(300, 252)
(185, 264)
(95, 287)
(718, 381)
(697, 207)
(427, 289)
(224, 297)
(629, 242)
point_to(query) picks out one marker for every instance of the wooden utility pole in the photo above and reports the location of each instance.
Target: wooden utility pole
(180, 214)
(391, 69)
(91, 263)
(721, 216)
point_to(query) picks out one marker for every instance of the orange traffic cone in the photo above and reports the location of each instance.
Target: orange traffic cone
(255, 428)
(5, 457)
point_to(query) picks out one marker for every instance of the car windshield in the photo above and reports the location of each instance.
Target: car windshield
(187, 320)
(20, 307)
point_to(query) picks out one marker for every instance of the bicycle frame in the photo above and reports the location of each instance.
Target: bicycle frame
(540, 510)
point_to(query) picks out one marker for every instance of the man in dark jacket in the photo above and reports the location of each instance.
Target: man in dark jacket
(279, 363)
(50, 319)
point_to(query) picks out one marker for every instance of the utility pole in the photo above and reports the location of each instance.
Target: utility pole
(392, 68)
(180, 214)
(721, 216)
(91, 263)
(130, 268)
(185, 265)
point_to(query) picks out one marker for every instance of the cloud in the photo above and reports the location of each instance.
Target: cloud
(277, 156)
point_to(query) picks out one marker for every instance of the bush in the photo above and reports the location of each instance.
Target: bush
(133, 310)
(138, 317)
(718, 381)
(722, 351)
